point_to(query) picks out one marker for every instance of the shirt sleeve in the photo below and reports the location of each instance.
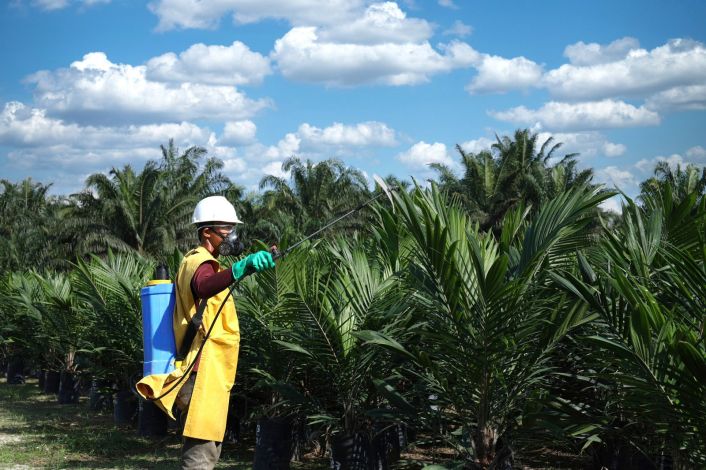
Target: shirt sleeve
(207, 282)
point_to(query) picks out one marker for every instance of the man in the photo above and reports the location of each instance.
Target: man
(203, 396)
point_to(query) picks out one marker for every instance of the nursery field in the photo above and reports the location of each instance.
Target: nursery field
(499, 320)
(37, 432)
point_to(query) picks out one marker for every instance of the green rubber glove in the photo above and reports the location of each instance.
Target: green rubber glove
(256, 261)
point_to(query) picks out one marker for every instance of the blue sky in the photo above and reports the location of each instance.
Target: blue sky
(387, 87)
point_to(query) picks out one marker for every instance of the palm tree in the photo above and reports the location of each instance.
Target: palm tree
(150, 211)
(318, 191)
(681, 182)
(29, 224)
(513, 171)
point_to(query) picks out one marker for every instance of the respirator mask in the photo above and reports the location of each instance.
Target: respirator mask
(230, 244)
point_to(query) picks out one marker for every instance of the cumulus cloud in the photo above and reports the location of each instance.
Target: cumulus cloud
(275, 169)
(459, 28)
(448, 4)
(498, 74)
(65, 153)
(216, 65)
(287, 147)
(613, 204)
(49, 5)
(207, 13)
(648, 165)
(693, 156)
(421, 154)
(586, 144)
(600, 71)
(311, 141)
(594, 53)
(359, 135)
(589, 115)
(696, 152)
(238, 132)
(98, 90)
(691, 97)
(301, 55)
(477, 145)
(24, 126)
(380, 23)
(613, 150)
(614, 176)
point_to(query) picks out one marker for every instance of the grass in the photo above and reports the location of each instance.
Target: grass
(37, 432)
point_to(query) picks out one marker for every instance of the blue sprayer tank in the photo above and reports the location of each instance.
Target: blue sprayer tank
(158, 298)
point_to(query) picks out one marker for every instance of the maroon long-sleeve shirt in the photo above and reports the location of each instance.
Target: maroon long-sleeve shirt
(207, 283)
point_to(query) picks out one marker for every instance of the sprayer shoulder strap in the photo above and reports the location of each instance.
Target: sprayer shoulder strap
(194, 325)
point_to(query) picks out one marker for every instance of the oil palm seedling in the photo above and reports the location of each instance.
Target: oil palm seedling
(110, 289)
(22, 325)
(338, 291)
(648, 289)
(489, 318)
(60, 329)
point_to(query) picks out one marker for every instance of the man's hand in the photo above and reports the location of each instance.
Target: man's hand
(254, 262)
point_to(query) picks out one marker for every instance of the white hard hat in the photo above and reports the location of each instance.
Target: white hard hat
(215, 209)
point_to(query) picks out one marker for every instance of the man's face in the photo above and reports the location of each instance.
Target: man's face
(218, 232)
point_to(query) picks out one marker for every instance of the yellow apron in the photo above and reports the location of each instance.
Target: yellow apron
(219, 359)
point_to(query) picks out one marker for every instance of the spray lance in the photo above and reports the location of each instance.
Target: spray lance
(150, 327)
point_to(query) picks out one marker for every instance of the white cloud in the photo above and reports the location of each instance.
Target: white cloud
(421, 154)
(313, 142)
(691, 97)
(477, 145)
(648, 165)
(588, 115)
(593, 53)
(234, 167)
(65, 153)
(696, 152)
(596, 73)
(459, 28)
(275, 169)
(360, 135)
(694, 156)
(50, 4)
(216, 65)
(22, 126)
(498, 74)
(301, 55)
(586, 144)
(613, 150)
(448, 4)
(207, 13)
(381, 23)
(614, 176)
(613, 204)
(238, 132)
(287, 147)
(98, 90)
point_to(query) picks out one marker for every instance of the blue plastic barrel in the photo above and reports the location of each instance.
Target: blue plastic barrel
(157, 333)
